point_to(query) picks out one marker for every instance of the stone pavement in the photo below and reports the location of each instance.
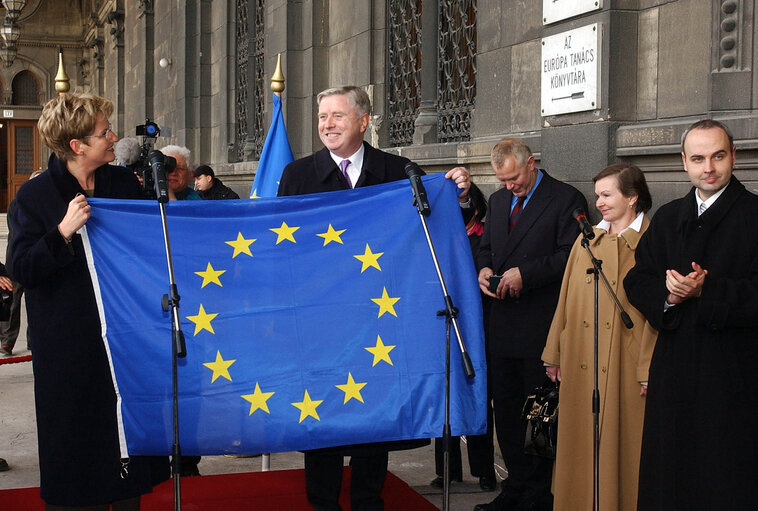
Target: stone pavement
(18, 446)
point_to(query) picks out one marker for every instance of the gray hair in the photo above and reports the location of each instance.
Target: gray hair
(177, 150)
(358, 97)
(508, 147)
(127, 150)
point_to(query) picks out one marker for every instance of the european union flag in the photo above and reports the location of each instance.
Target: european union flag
(310, 321)
(275, 155)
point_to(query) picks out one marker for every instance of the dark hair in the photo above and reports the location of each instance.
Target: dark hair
(707, 124)
(631, 182)
(204, 170)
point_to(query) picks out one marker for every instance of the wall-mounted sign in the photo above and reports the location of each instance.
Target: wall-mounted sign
(571, 71)
(557, 10)
(7, 113)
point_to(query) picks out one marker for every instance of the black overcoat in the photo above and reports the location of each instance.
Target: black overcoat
(79, 455)
(699, 446)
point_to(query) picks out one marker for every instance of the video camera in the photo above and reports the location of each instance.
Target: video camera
(153, 167)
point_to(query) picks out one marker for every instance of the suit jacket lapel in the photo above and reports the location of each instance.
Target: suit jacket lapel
(531, 212)
(373, 171)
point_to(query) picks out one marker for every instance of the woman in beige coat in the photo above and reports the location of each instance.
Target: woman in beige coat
(623, 354)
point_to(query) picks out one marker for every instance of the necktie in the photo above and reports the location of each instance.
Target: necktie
(703, 207)
(515, 213)
(343, 168)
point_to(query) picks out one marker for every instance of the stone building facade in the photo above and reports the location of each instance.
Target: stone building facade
(448, 78)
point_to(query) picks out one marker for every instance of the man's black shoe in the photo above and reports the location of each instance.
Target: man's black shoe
(487, 483)
(4, 465)
(505, 501)
(438, 481)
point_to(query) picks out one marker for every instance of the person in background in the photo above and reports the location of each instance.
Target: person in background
(81, 461)
(180, 176)
(623, 199)
(480, 448)
(9, 330)
(8, 340)
(211, 187)
(127, 151)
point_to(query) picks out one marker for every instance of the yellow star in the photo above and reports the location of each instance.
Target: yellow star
(385, 303)
(285, 232)
(331, 235)
(220, 367)
(369, 259)
(210, 276)
(241, 245)
(307, 407)
(255, 195)
(258, 400)
(202, 321)
(351, 389)
(380, 352)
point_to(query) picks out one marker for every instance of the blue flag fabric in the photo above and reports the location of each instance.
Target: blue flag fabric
(275, 155)
(310, 321)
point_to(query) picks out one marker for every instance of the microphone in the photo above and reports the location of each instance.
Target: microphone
(158, 164)
(584, 224)
(414, 174)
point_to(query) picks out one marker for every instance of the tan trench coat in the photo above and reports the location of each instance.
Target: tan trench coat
(623, 359)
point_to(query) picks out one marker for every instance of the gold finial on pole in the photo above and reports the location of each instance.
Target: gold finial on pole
(277, 81)
(61, 79)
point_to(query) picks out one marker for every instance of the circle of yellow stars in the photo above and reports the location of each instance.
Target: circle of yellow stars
(258, 399)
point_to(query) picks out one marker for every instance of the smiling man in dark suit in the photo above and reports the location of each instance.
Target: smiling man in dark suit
(347, 162)
(527, 238)
(696, 281)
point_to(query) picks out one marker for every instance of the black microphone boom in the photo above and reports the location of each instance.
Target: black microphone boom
(584, 224)
(414, 174)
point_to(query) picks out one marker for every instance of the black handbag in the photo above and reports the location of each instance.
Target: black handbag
(541, 413)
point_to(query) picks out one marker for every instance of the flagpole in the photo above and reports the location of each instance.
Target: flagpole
(277, 87)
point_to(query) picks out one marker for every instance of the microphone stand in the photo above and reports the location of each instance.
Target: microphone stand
(451, 315)
(178, 347)
(597, 271)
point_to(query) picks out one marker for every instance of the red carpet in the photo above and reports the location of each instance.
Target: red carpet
(15, 359)
(277, 490)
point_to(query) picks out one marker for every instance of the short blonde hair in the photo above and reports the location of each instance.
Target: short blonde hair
(69, 116)
(508, 147)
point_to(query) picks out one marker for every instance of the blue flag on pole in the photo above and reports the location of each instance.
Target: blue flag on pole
(275, 155)
(310, 321)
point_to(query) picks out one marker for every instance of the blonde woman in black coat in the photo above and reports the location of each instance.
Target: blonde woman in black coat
(82, 463)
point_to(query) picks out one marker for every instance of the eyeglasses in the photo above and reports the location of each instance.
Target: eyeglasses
(104, 134)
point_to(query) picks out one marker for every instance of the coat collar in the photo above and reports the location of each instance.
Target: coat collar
(373, 170)
(688, 212)
(631, 236)
(67, 184)
(531, 212)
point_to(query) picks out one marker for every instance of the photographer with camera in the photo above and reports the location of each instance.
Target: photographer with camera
(179, 176)
(80, 458)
